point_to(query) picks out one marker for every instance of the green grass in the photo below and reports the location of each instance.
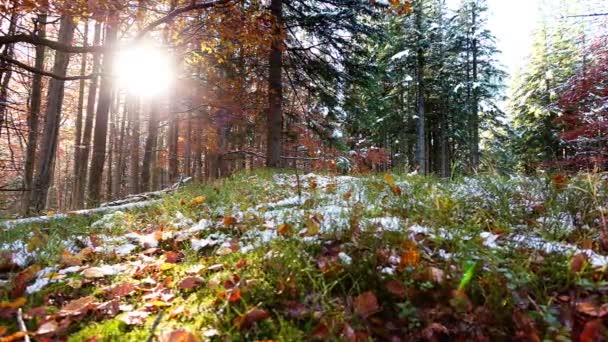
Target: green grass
(449, 286)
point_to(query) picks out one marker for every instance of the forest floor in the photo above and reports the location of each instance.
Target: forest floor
(388, 257)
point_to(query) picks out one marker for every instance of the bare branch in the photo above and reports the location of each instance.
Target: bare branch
(45, 73)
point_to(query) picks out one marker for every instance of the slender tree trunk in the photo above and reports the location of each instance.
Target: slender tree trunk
(275, 89)
(134, 144)
(173, 135)
(53, 115)
(82, 157)
(188, 146)
(150, 149)
(120, 149)
(80, 109)
(475, 100)
(422, 156)
(6, 71)
(101, 117)
(33, 118)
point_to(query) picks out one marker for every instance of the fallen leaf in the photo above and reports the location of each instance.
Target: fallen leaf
(432, 330)
(592, 331)
(349, 333)
(78, 306)
(17, 303)
(312, 225)
(198, 200)
(69, 259)
(285, 229)
(135, 317)
(396, 288)
(179, 335)
(22, 279)
(396, 190)
(252, 316)
(235, 296)
(366, 304)
(591, 309)
(578, 262)
(229, 221)
(241, 263)
(190, 283)
(13, 337)
(93, 272)
(167, 266)
(320, 332)
(389, 179)
(120, 291)
(47, 328)
(173, 257)
(296, 310)
(409, 258)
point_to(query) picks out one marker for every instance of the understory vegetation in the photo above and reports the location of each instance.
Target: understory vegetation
(274, 256)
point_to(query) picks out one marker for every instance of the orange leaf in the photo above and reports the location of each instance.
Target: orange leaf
(229, 221)
(16, 304)
(22, 279)
(69, 259)
(578, 262)
(77, 306)
(285, 229)
(235, 296)
(366, 304)
(409, 258)
(179, 335)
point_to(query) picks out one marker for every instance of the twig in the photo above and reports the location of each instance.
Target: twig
(155, 325)
(22, 326)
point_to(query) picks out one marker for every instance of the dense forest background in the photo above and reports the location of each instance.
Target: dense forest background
(341, 85)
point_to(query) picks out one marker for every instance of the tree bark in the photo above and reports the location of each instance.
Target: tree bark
(120, 149)
(475, 100)
(6, 72)
(150, 149)
(101, 117)
(33, 118)
(422, 157)
(275, 89)
(53, 115)
(134, 144)
(82, 157)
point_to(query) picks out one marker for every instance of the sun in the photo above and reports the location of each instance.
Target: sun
(144, 70)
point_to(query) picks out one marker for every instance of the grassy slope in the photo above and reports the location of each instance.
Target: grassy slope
(381, 258)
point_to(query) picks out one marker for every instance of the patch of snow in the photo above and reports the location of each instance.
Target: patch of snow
(345, 258)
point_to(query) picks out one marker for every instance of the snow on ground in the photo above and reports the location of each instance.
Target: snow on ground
(331, 213)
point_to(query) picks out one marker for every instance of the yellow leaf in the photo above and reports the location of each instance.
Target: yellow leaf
(17, 303)
(166, 266)
(199, 200)
(285, 229)
(160, 303)
(389, 179)
(312, 225)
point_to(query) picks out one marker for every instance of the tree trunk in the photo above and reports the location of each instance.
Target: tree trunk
(275, 89)
(82, 157)
(422, 157)
(101, 117)
(53, 115)
(120, 149)
(150, 149)
(475, 100)
(134, 144)
(33, 118)
(6, 72)
(173, 135)
(188, 147)
(80, 109)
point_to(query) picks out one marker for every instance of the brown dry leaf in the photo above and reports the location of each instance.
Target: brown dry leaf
(432, 330)
(190, 283)
(22, 279)
(526, 328)
(235, 296)
(578, 262)
(93, 272)
(320, 332)
(591, 309)
(173, 257)
(179, 335)
(285, 229)
(296, 310)
(47, 328)
(349, 333)
(366, 304)
(229, 221)
(252, 316)
(396, 190)
(135, 317)
(241, 263)
(78, 306)
(120, 291)
(68, 259)
(396, 288)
